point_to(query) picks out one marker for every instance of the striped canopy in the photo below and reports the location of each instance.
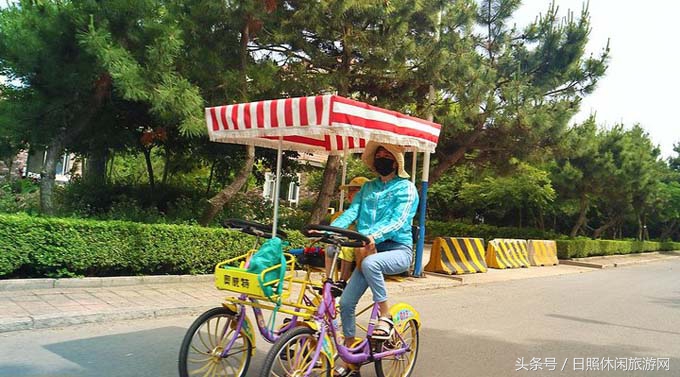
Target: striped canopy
(328, 124)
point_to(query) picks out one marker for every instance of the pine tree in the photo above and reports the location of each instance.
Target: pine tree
(674, 162)
(513, 91)
(59, 90)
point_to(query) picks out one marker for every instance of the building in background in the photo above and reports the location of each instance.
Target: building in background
(293, 187)
(28, 164)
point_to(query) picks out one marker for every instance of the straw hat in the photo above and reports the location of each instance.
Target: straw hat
(397, 152)
(356, 182)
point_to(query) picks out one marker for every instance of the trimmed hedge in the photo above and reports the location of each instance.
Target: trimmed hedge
(452, 229)
(51, 247)
(566, 248)
(587, 248)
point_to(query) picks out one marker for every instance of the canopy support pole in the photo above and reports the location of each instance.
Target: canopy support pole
(277, 185)
(414, 165)
(344, 178)
(418, 268)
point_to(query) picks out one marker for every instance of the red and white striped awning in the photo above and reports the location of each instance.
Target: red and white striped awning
(329, 124)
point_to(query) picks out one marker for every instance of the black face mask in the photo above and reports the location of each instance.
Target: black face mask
(384, 166)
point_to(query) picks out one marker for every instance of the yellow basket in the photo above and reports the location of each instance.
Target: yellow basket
(239, 280)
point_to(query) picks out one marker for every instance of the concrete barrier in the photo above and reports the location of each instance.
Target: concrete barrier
(454, 256)
(507, 253)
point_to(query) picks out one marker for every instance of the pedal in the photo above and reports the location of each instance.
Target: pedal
(377, 345)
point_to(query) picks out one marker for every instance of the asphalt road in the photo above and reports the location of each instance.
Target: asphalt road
(569, 322)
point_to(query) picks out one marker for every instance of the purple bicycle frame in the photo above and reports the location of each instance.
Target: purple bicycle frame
(268, 335)
(356, 355)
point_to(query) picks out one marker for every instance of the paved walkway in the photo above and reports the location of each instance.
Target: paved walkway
(40, 303)
(53, 307)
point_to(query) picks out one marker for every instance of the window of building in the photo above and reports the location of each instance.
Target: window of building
(290, 187)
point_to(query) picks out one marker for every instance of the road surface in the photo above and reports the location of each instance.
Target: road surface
(568, 323)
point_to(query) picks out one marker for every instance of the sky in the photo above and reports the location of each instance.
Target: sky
(642, 82)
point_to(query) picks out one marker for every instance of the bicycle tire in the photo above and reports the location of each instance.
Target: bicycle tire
(210, 349)
(381, 367)
(283, 345)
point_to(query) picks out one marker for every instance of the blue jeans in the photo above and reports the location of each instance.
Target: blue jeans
(392, 258)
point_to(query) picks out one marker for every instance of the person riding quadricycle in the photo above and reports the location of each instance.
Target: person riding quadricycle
(383, 210)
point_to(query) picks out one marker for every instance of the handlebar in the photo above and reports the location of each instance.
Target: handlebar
(335, 235)
(253, 228)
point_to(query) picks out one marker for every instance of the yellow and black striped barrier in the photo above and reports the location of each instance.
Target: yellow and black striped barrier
(542, 252)
(456, 256)
(507, 253)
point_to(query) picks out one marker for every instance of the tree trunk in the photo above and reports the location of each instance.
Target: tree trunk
(330, 172)
(583, 208)
(166, 168)
(48, 174)
(210, 178)
(102, 90)
(95, 172)
(639, 220)
(598, 232)
(110, 173)
(217, 202)
(149, 167)
(449, 159)
(520, 217)
(330, 175)
(668, 230)
(9, 163)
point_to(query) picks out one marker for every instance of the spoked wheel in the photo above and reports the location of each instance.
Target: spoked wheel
(402, 365)
(201, 351)
(292, 355)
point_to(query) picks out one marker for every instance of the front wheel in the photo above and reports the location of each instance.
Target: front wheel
(204, 343)
(293, 353)
(402, 365)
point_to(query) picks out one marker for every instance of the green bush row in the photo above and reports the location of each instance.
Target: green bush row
(566, 248)
(453, 229)
(51, 247)
(586, 248)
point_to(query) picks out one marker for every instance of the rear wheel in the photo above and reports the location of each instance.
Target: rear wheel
(204, 343)
(292, 355)
(402, 365)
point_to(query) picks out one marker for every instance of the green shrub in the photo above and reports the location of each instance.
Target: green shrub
(566, 248)
(19, 196)
(487, 232)
(580, 248)
(51, 247)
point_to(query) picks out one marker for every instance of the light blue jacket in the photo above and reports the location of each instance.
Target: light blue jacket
(383, 210)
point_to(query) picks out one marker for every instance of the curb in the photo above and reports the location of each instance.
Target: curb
(62, 320)
(582, 264)
(457, 278)
(114, 281)
(636, 258)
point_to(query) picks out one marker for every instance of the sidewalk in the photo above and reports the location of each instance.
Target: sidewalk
(42, 303)
(31, 305)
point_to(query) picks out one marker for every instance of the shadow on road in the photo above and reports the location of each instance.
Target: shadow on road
(598, 322)
(672, 302)
(148, 353)
(460, 354)
(473, 352)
